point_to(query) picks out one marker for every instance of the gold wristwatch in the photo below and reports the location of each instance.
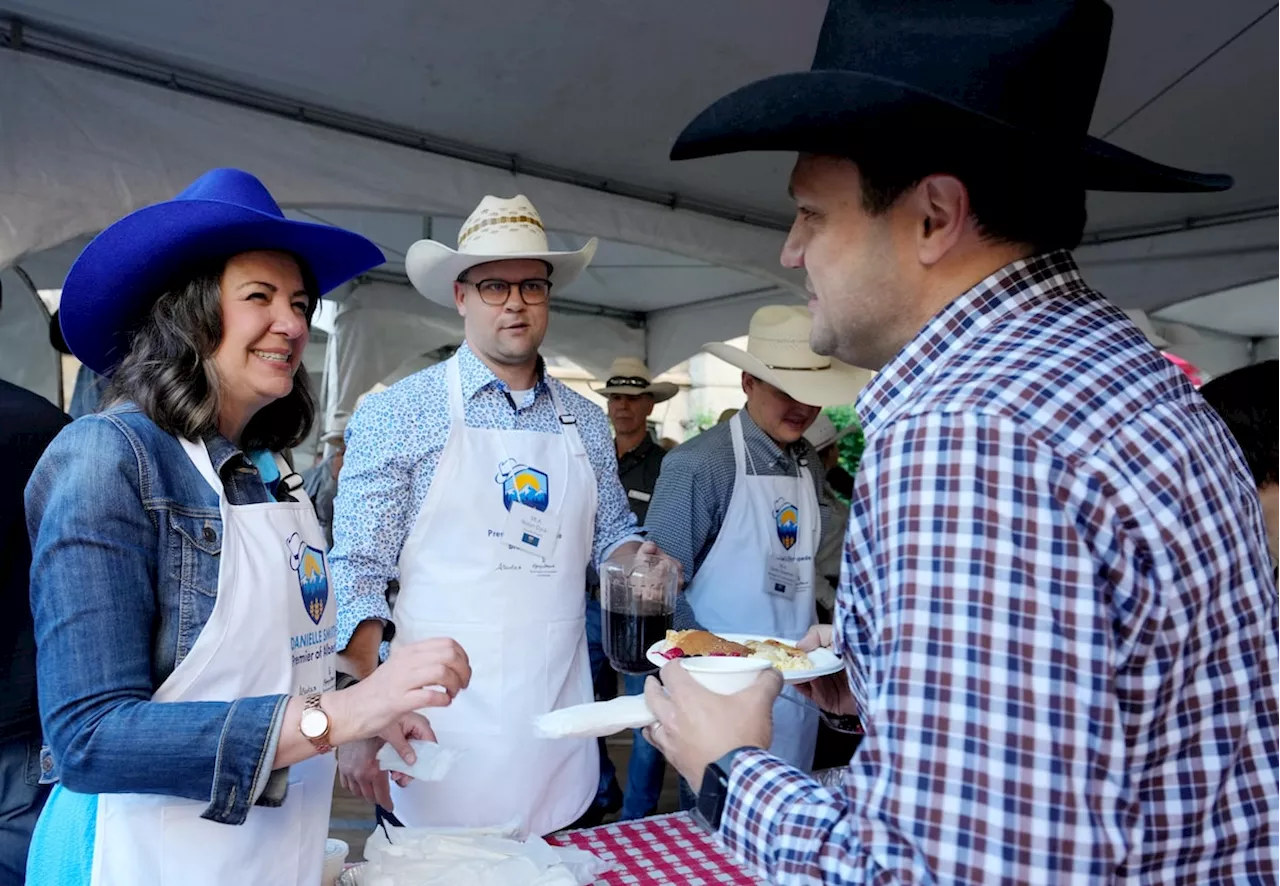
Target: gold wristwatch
(314, 724)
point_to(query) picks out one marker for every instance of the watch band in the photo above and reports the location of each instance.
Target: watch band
(320, 742)
(715, 790)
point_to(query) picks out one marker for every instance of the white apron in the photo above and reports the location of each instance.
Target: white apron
(271, 631)
(520, 618)
(758, 579)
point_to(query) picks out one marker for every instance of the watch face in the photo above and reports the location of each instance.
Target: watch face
(314, 723)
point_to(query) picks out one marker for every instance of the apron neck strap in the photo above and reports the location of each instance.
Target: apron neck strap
(454, 377)
(199, 455)
(568, 423)
(739, 443)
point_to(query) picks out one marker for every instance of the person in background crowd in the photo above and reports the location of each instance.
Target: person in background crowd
(1056, 610)
(632, 394)
(486, 487)
(726, 414)
(1246, 400)
(183, 620)
(28, 423)
(822, 434)
(321, 482)
(86, 396)
(739, 504)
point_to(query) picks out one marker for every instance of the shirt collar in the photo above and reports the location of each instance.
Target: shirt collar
(640, 451)
(1009, 291)
(476, 376)
(224, 454)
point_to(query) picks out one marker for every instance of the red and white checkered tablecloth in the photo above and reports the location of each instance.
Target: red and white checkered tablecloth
(665, 850)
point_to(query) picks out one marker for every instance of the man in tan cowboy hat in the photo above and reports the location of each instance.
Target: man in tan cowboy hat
(1056, 611)
(739, 503)
(486, 487)
(321, 481)
(632, 394)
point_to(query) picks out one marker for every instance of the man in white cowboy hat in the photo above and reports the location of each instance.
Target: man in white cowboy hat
(824, 437)
(486, 488)
(739, 503)
(632, 393)
(1056, 610)
(321, 481)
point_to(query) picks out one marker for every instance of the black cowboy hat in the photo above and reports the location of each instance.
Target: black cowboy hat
(1024, 75)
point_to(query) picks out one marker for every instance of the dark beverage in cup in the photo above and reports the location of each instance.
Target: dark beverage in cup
(628, 635)
(638, 604)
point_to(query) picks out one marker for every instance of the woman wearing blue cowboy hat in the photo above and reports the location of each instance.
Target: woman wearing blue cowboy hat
(180, 593)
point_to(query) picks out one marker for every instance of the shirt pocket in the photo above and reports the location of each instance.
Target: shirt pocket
(195, 552)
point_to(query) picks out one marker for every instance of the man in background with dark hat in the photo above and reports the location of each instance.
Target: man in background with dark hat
(28, 423)
(631, 393)
(1056, 610)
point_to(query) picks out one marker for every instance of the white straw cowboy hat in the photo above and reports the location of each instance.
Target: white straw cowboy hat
(629, 375)
(337, 429)
(499, 229)
(1143, 322)
(778, 353)
(822, 433)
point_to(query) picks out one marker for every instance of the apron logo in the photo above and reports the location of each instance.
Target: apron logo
(313, 581)
(524, 484)
(788, 522)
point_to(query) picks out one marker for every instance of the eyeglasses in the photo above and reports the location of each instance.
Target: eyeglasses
(494, 292)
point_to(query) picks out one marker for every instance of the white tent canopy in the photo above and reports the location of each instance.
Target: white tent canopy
(395, 118)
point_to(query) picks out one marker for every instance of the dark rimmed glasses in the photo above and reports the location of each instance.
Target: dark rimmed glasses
(495, 292)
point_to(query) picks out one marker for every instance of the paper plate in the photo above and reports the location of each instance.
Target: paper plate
(824, 660)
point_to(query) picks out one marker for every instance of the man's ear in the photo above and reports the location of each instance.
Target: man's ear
(940, 205)
(748, 382)
(460, 298)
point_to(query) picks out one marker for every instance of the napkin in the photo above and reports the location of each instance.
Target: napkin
(447, 856)
(594, 720)
(433, 763)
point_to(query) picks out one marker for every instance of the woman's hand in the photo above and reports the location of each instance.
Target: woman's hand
(410, 727)
(425, 674)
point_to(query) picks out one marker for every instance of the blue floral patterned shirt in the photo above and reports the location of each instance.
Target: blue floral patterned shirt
(393, 446)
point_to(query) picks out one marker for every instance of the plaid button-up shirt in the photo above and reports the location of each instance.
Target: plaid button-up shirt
(1058, 614)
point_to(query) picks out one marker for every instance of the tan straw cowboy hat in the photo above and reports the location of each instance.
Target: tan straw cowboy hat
(499, 229)
(778, 353)
(822, 433)
(629, 375)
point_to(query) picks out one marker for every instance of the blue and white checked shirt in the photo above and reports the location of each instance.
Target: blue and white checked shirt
(393, 445)
(696, 484)
(1058, 614)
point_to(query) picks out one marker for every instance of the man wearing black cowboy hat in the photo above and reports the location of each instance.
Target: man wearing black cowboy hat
(1056, 610)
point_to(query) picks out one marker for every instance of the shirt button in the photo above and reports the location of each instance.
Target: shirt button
(209, 534)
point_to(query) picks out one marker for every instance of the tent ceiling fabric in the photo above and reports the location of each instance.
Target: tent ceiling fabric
(604, 89)
(601, 90)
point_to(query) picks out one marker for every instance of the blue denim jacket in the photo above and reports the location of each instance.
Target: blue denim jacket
(125, 538)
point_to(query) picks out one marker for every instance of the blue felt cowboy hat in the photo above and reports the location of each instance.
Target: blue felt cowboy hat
(1019, 77)
(121, 273)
